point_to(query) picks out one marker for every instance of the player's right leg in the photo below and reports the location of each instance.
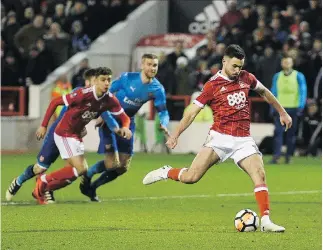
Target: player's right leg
(206, 158)
(46, 156)
(71, 150)
(254, 167)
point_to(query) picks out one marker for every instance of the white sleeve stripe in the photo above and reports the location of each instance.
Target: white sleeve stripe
(201, 105)
(65, 100)
(118, 112)
(257, 85)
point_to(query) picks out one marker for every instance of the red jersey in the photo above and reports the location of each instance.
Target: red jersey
(83, 106)
(229, 102)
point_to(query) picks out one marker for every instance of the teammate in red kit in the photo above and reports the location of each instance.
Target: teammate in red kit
(83, 105)
(227, 94)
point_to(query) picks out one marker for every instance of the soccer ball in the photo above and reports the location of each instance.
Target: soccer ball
(246, 221)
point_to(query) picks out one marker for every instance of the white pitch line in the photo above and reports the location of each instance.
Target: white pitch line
(7, 203)
(273, 193)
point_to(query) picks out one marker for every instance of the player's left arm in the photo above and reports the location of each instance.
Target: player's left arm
(265, 93)
(117, 111)
(302, 91)
(160, 105)
(41, 131)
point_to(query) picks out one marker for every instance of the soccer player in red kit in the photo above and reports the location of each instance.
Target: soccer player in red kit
(83, 105)
(227, 95)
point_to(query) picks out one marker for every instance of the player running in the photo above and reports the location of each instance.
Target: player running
(47, 154)
(132, 90)
(83, 105)
(227, 94)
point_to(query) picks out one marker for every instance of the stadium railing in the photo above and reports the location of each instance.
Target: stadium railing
(13, 102)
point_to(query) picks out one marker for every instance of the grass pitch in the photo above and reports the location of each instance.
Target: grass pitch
(164, 215)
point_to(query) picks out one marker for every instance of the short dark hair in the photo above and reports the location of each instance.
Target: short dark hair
(103, 71)
(149, 56)
(88, 74)
(234, 50)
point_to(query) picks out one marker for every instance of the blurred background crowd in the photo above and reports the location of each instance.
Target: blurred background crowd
(37, 36)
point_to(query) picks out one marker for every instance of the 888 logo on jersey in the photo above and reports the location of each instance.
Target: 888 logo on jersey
(237, 99)
(88, 115)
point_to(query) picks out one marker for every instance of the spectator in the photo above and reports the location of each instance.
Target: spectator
(222, 36)
(289, 87)
(314, 63)
(279, 34)
(77, 12)
(166, 75)
(318, 87)
(198, 77)
(117, 12)
(77, 79)
(48, 22)
(172, 57)
(313, 16)
(288, 15)
(11, 27)
(10, 73)
(181, 75)
(267, 66)
(59, 16)
(232, 17)
(312, 128)
(216, 57)
(58, 43)
(28, 16)
(201, 55)
(39, 64)
(28, 35)
(80, 41)
(248, 21)
(261, 12)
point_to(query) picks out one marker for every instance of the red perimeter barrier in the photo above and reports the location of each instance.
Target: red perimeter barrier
(13, 101)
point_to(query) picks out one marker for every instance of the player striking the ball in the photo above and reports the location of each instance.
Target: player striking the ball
(227, 95)
(83, 105)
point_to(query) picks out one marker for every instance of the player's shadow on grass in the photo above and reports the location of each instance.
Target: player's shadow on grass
(33, 203)
(186, 230)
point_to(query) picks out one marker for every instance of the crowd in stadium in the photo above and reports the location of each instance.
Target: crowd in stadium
(266, 32)
(39, 35)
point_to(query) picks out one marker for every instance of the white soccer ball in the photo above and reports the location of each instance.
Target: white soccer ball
(246, 220)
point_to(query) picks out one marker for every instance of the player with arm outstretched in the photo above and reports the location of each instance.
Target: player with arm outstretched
(227, 95)
(83, 105)
(47, 154)
(132, 90)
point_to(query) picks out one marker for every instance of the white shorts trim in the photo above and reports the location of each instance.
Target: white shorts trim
(68, 146)
(228, 146)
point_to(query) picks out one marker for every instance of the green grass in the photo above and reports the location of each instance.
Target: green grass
(120, 222)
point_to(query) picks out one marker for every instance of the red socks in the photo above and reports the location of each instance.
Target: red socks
(60, 178)
(262, 197)
(175, 173)
(58, 184)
